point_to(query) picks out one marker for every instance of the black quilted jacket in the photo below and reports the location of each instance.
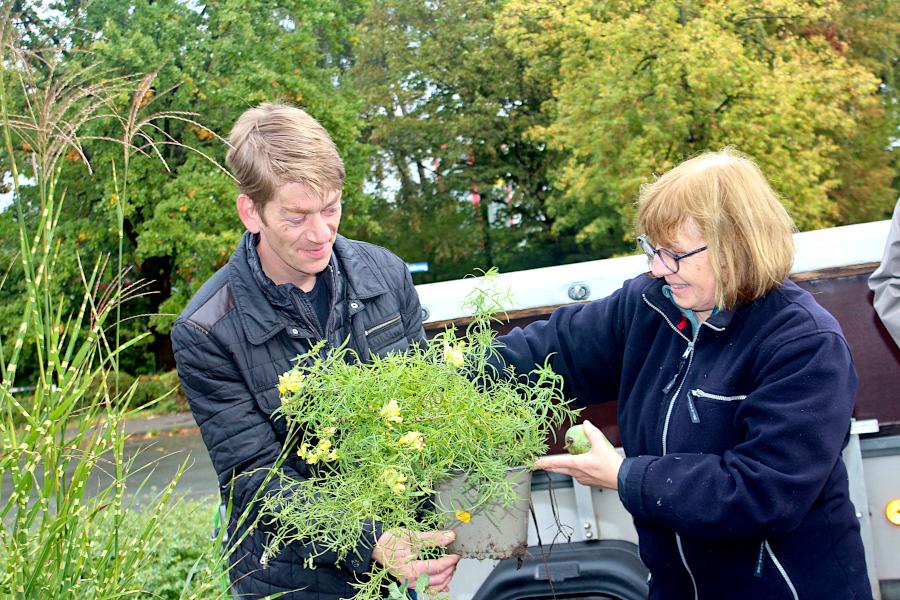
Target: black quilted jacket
(231, 343)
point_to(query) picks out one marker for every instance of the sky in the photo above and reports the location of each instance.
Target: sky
(7, 198)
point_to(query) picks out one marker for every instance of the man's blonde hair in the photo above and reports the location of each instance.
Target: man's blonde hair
(747, 230)
(274, 144)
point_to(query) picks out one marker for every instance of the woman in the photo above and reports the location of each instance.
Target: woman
(734, 391)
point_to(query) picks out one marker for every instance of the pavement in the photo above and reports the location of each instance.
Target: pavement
(159, 446)
(156, 450)
(149, 426)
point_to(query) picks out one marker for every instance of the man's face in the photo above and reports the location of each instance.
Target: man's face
(296, 230)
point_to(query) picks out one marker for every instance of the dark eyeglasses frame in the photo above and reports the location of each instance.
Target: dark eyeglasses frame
(650, 250)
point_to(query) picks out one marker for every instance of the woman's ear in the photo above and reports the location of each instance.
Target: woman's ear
(248, 212)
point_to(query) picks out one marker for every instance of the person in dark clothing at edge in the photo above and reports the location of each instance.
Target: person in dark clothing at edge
(292, 282)
(735, 391)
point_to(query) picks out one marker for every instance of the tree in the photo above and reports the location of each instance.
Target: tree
(456, 180)
(639, 86)
(869, 32)
(212, 60)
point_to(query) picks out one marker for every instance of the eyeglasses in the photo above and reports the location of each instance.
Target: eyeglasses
(669, 259)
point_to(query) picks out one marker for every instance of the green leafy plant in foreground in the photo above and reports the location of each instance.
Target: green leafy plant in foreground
(183, 561)
(380, 436)
(67, 527)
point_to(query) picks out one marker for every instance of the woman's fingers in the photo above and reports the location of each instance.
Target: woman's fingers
(556, 463)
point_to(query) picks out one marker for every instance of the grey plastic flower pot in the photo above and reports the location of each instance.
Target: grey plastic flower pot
(493, 531)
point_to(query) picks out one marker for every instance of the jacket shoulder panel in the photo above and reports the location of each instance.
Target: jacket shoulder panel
(220, 304)
(206, 291)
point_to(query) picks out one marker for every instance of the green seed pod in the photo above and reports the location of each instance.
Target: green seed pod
(576, 440)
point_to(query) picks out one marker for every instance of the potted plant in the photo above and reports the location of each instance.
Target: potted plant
(383, 436)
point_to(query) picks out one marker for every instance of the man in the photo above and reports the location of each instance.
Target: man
(885, 281)
(292, 282)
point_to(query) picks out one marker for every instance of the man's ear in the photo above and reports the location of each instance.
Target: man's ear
(248, 213)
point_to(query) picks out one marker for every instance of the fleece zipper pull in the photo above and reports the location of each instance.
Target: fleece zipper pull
(760, 558)
(681, 364)
(695, 416)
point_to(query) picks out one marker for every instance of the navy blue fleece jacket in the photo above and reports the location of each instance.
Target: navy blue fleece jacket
(733, 435)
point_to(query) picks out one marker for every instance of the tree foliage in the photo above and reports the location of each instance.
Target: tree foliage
(552, 113)
(639, 86)
(869, 166)
(447, 107)
(211, 61)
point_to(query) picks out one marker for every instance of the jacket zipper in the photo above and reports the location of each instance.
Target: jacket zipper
(695, 416)
(760, 559)
(689, 354)
(689, 357)
(381, 326)
(692, 408)
(702, 394)
(681, 364)
(781, 570)
(665, 318)
(305, 310)
(687, 568)
(334, 302)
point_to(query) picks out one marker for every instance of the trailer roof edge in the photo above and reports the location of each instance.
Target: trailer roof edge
(550, 286)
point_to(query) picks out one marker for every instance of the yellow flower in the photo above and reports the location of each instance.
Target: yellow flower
(322, 452)
(290, 382)
(303, 450)
(395, 480)
(464, 516)
(328, 431)
(453, 355)
(391, 412)
(413, 439)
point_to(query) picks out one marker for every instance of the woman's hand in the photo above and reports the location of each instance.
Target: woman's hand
(599, 467)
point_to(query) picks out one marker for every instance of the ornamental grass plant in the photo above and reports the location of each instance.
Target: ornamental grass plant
(61, 536)
(381, 435)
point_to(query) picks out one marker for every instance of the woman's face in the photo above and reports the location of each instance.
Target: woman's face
(694, 285)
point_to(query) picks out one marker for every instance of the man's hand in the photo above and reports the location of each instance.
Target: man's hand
(598, 468)
(398, 550)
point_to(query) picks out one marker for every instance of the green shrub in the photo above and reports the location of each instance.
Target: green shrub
(184, 561)
(161, 393)
(114, 389)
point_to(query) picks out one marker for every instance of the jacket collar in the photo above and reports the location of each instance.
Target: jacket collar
(364, 279)
(256, 296)
(654, 296)
(277, 295)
